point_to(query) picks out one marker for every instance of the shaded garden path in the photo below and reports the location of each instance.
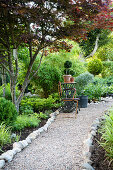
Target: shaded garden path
(61, 147)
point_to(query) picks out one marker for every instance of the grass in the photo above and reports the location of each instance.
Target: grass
(107, 135)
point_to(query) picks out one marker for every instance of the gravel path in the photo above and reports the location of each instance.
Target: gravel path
(61, 147)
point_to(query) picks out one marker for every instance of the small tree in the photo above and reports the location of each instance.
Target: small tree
(41, 24)
(95, 66)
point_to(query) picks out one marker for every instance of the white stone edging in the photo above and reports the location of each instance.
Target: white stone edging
(19, 146)
(88, 144)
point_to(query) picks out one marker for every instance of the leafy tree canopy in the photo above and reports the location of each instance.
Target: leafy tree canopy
(43, 23)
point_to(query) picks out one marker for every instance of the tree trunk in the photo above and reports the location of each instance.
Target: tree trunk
(95, 48)
(3, 81)
(13, 90)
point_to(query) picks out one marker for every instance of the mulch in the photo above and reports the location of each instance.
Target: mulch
(99, 159)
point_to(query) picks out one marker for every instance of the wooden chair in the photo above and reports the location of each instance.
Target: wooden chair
(68, 94)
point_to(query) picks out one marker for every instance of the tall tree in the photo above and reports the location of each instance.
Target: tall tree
(39, 24)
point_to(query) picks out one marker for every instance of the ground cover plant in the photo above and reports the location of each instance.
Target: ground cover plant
(24, 121)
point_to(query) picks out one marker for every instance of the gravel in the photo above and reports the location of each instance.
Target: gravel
(61, 147)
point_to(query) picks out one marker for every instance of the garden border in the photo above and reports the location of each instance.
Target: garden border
(19, 146)
(88, 143)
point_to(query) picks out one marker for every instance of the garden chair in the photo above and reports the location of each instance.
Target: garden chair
(68, 96)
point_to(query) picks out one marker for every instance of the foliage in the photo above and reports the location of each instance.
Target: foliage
(95, 66)
(41, 24)
(41, 115)
(89, 44)
(8, 112)
(26, 109)
(59, 58)
(107, 135)
(25, 121)
(39, 104)
(67, 64)
(5, 135)
(99, 88)
(107, 70)
(48, 78)
(95, 91)
(82, 80)
(8, 92)
(105, 52)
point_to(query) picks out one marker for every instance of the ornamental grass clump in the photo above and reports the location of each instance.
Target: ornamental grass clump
(107, 135)
(5, 135)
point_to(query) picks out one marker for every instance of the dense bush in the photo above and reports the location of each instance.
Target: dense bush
(25, 121)
(48, 78)
(95, 66)
(107, 135)
(107, 70)
(26, 109)
(39, 104)
(95, 91)
(8, 113)
(82, 80)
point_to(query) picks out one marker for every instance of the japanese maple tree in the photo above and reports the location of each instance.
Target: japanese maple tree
(40, 24)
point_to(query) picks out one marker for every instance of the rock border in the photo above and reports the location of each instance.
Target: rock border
(19, 146)
(88, 143)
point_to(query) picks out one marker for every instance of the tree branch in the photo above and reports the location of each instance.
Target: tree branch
(30, 49)
(95, 48)
(16, 63)
(25, 83)
(3, 65)
(38, 66)
(3, 43)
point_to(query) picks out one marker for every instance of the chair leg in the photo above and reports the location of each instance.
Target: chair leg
(76, 109)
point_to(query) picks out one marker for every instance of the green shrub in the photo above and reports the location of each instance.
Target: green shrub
(67, 64)
(107, 135)
(107, 69)
(39, 104)
(48, 78)
(8, 113)
(26, 109)
(110, 89)
(82, 80)
(41, 115)
(25, 121)
(94, 91)
(95, 66)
